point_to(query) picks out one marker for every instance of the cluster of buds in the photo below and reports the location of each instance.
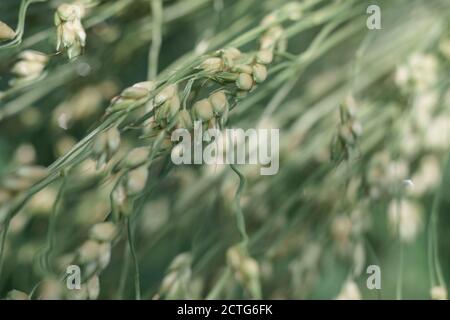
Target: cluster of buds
(349, 130)
(241, 72)
(94, 254)
(20, 180)
(175, 284)
(6, 33)
(30, 66)
(70, 32)
(245, 269)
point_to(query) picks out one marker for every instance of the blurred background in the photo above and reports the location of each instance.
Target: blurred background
(364, 119)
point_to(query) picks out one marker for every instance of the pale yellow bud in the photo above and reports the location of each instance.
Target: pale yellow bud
(165, 94)
(259, 73)
(203, 110)
(184, 120)
(137, 156)
(219, 101)
(147, 85)
(244, 68)
(264, 56)
(439, 293)
(32, 55)
(137, 179)
(212, 65)
(33, 173)
(105, 231)
(16, 295)
(134, 93)
(89, 251)
(244, 82)
(6, 33)
(104, 257)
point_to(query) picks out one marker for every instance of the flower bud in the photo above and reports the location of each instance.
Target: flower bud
(106, 145)
(184, 120)
(29, 67)
(203, 110)
(137, 156)
(147, 85)
(212, 65)
(104, 254)
(16, 294)
(136, 180)
(104, 232)
(6, 33)
(89, 251)
(165, 94)
(121, 202)
(70, 32)
(439, 293)
(244, 82)
(230, 55)
(244, 68)
(134, 93)
(259, 73)
(32, 55)
(219, 102)
(33, 173)
(264, 56)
